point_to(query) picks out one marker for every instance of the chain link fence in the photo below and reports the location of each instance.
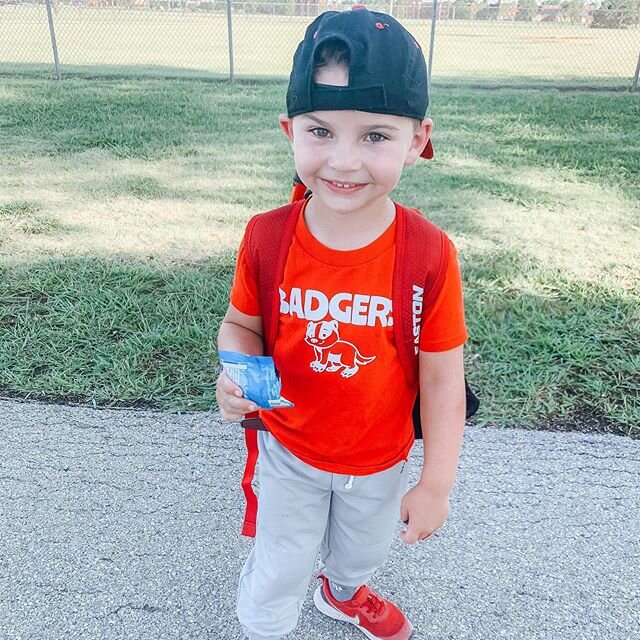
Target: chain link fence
(566, 43)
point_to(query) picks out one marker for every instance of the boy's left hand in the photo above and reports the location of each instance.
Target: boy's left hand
(424, 510)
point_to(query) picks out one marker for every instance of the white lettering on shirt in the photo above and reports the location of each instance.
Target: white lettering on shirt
(379, 309)
(360, 309)
(295, 304)
(321, 305)
(284, 305)
(418, 293)
(336, 311)
(348, 308)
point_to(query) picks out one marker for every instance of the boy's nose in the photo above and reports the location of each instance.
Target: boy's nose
(344, 158)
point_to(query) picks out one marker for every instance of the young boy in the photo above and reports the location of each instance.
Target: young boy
(332, 468)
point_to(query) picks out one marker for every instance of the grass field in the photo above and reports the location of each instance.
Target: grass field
(178, 43)
(122, 203)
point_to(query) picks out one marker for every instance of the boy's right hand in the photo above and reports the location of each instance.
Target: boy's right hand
(232, 405)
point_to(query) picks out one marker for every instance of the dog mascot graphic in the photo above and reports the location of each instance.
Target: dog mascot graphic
(333, 354)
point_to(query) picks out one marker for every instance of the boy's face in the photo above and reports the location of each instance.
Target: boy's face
(351, 160)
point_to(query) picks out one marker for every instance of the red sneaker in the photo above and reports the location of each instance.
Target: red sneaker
(376, 617)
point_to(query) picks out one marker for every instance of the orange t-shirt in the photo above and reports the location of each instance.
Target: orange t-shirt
(336, 353)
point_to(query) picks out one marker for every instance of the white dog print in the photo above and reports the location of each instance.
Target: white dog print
(333, 354)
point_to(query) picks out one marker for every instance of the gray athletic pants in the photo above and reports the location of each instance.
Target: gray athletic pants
(302, 510)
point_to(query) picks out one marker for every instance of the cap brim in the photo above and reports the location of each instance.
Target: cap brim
(428, 151)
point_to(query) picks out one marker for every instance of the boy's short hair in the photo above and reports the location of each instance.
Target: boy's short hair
(386, 67)
(332, 53)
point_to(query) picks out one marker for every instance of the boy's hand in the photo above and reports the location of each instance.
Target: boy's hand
(423, 510)
(230, 401)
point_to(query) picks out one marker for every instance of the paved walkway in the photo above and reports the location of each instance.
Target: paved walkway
(124, 525)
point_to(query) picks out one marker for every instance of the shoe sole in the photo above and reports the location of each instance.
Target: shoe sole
(324, 607)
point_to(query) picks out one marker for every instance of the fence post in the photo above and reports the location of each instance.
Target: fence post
(433, 38)
(54, 44)
(230, 35)
(634, 86)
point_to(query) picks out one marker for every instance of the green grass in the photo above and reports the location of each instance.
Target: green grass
(138, 192)
(108, 331)
(19, 208)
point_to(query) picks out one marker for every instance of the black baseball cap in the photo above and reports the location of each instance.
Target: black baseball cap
(387, 69)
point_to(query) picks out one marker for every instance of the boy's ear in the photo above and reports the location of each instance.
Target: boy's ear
(286, 124)
(421, 136)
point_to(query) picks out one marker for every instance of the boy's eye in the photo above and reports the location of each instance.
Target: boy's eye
(319, 132)
(374, 136)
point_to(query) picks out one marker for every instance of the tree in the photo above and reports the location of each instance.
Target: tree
(527, 9)
(463, 11)
(505, 11)
(616, 14)
(483, 11)
(572, 9)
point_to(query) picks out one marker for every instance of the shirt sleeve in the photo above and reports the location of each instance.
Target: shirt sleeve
(244, 290)
(443, 327)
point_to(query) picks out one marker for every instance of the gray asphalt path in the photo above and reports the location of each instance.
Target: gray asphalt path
(124, 525)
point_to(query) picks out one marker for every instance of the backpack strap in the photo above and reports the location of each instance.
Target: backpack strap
(298, 191)
(251, 509)
(268, 239)
(422, 254)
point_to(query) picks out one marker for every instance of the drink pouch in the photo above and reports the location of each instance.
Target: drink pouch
(256, 376)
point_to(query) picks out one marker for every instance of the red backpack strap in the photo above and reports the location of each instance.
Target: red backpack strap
(268, 239)
(298, 191)
(422, 254)
(251, 510)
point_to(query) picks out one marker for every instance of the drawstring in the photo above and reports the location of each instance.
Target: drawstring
(349, 484)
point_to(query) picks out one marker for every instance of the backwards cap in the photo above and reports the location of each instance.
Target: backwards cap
(387, 70)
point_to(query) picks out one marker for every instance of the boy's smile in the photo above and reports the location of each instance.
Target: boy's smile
(343, 187)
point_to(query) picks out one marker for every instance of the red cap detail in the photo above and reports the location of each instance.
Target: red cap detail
(427, 154)
(358, 6)
(379, 25)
